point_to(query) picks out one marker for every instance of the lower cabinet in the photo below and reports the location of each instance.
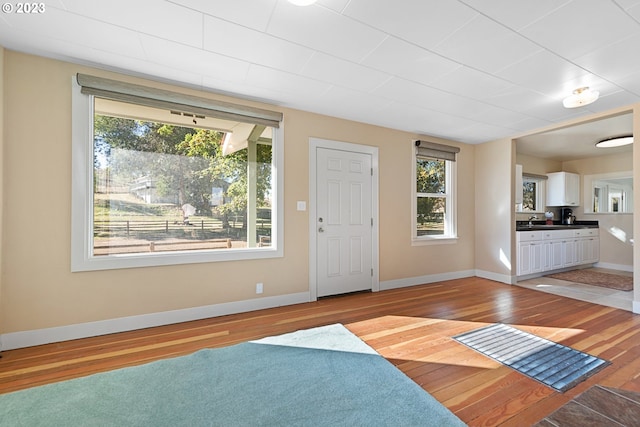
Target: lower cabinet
(540, 251)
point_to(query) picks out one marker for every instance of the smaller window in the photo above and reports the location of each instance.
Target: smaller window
(434, 192)
(533, 194)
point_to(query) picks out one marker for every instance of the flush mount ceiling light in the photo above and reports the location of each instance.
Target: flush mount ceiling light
(302, 2)
(581, 97)
(616, 141)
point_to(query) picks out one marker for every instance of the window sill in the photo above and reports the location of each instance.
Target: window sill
(426, 241)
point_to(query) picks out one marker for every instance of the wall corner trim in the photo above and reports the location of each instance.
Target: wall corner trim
(502, 278)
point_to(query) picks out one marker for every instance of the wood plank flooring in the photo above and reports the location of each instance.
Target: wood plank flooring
(411, 327)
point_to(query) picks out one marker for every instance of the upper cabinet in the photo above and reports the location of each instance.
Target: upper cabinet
(563, 189)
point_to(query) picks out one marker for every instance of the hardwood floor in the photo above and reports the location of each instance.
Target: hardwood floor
(411, 327)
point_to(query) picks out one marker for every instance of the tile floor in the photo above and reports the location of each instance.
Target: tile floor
(595, 294)
(598, 406)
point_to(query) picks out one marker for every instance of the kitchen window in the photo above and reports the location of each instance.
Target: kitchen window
(434, 207)
(533, 194)
(162, 178)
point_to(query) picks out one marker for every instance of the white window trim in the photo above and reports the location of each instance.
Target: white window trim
(82, 258)
(452, 236)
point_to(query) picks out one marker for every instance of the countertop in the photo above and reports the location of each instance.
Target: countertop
(557, 225)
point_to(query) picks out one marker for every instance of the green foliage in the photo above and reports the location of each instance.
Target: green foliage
(430, 182)
(183, 164)
(529, 196)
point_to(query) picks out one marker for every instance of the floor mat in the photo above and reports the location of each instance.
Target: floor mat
(550, 363)
(589, 276)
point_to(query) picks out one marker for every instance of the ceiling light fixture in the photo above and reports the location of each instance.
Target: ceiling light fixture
(302, 2)
(581, 97)
(616, 141)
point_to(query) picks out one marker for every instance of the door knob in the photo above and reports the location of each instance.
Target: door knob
(320, 230)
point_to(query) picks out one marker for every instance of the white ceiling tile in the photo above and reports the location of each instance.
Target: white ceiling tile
(159, 51)
(543, 72)
(162, 19)
(616, 99)
(343, 73)
(614, 61)
(631, 83)
(523, 100)
(80, 30)
(529, 123)
(486, 45)
(497, 116)
(471, 83)
(421, 96)
(250, 13)
(627, 4)
(633, 9)
(575, 29)
(424, 23)
(515, 14)
(422, 121)
(403, 59)
(351, 104)
(285, 82)
(335, 5)
(482, 132)
(324, 30)
(249, 45)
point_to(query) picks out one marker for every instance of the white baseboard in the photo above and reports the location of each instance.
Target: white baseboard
(610, 266)
(421, 280)
(636, 307)
(15, 340)
(502, 278)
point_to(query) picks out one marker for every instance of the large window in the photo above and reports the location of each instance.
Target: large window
(434, 216)
(163, 186)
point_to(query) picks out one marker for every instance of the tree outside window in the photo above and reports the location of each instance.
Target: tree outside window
(162, 187)
(432, 197)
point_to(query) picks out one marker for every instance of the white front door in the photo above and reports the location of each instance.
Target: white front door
(344, 221)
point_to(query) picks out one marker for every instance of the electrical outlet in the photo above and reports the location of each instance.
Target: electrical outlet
(259, 288)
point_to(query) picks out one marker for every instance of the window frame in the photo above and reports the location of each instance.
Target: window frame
(82, 258)
(451, 218)
(541, 194)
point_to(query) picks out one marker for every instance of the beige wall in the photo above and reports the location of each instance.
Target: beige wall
(38, 289)
(495, 224)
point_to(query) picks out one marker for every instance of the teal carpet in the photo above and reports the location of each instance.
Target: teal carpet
(320, 377)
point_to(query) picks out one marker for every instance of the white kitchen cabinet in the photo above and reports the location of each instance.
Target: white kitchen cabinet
(542, 251)
(569, 253)
(531, 256)
(563, 189)
(588, 246)
(554, 254)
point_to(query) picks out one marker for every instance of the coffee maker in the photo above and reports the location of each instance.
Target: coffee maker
(567, 216)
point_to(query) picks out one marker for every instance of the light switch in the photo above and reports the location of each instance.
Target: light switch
(302, 205)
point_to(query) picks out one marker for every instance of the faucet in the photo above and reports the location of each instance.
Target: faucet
(532, 218)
